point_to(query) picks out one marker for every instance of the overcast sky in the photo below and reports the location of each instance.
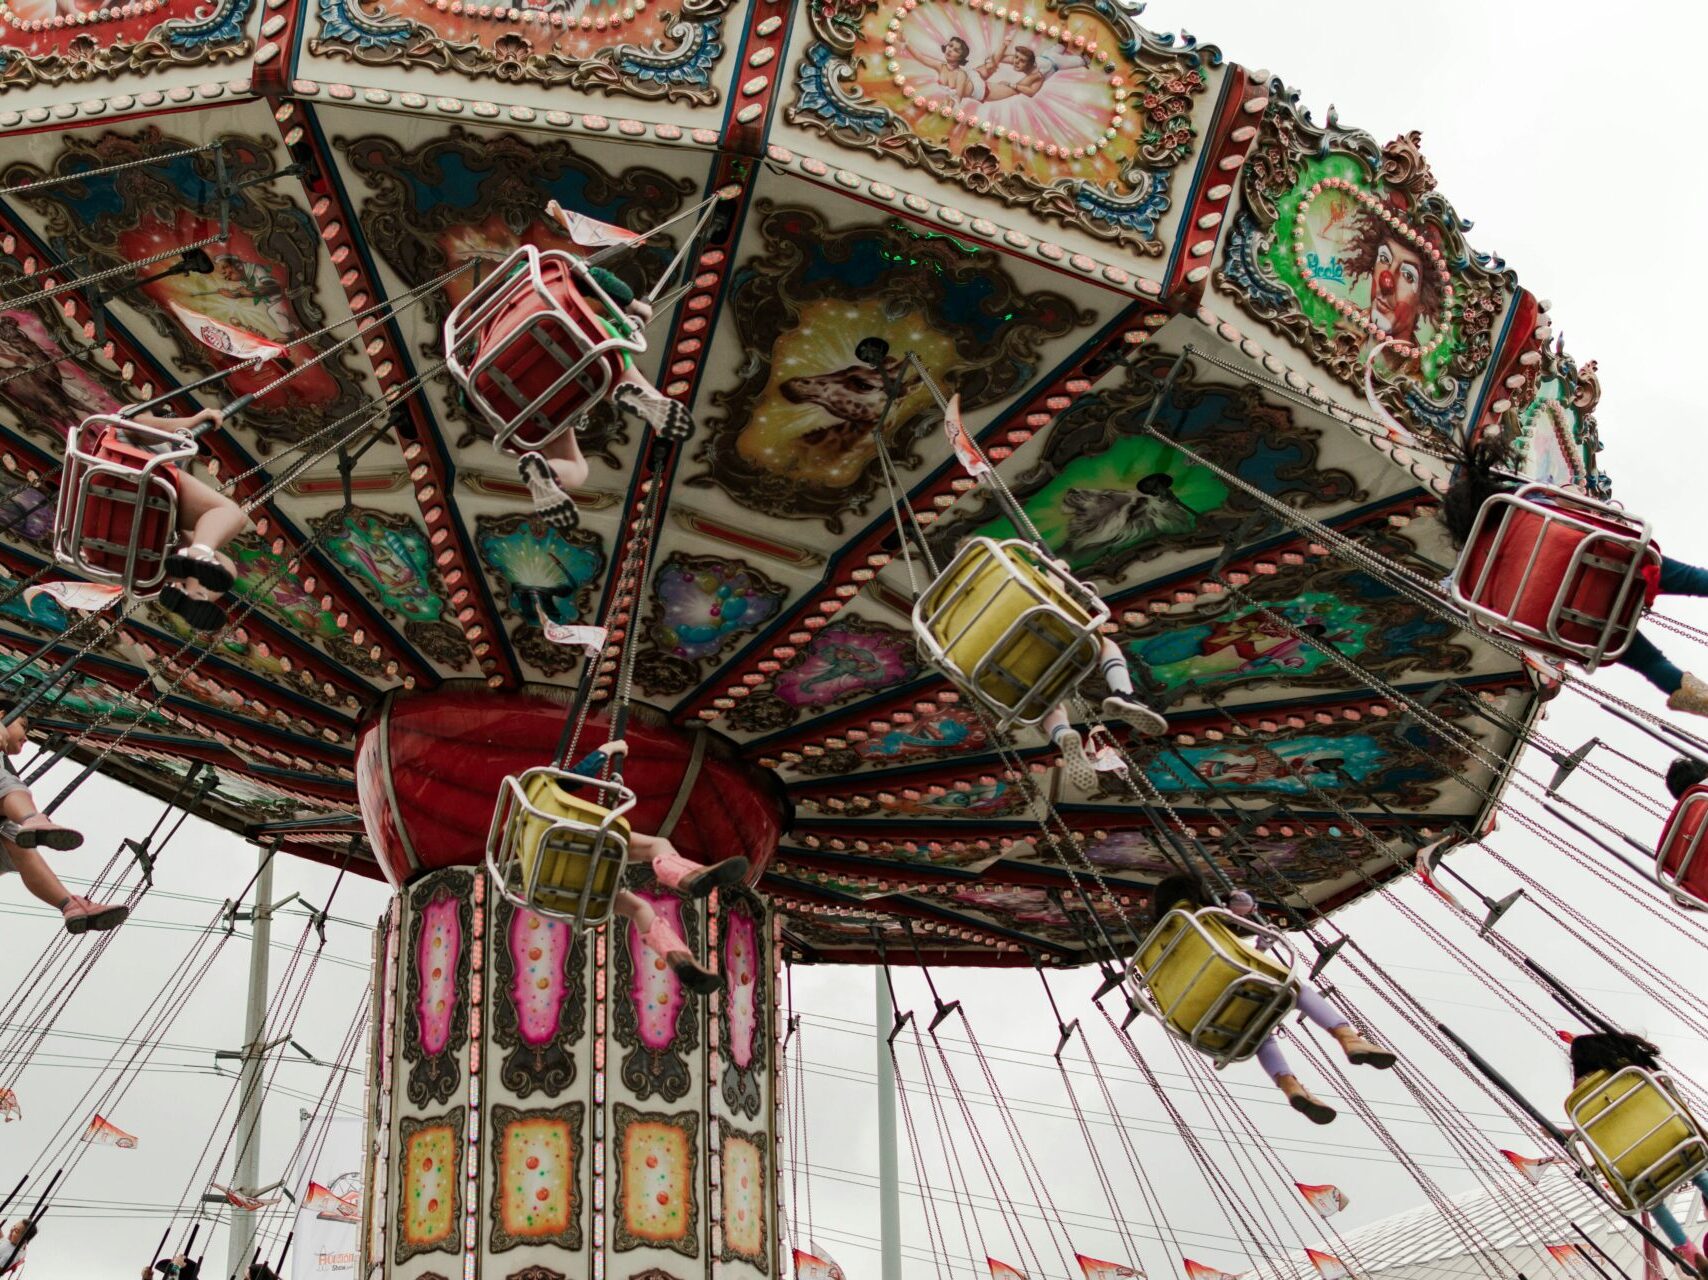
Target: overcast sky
(1541, 132)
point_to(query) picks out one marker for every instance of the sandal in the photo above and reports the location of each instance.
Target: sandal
(201, 564)
(202, 615)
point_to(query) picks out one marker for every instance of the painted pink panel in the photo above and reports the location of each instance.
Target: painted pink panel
(538, 950)
(436, 961)
(741, 970)
(656, 994)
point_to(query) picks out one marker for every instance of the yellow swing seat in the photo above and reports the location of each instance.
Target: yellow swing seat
(1630, 1127)
(1010, 628)
(117, 516)
(1206, 982)
(555, 852)
(537, 344)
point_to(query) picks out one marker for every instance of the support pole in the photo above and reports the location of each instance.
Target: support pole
(889, 1185)
(243, 1221)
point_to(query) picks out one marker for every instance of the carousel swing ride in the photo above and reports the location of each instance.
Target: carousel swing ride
(684, 493)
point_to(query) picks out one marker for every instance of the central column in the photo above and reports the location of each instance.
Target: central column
(551, 1104)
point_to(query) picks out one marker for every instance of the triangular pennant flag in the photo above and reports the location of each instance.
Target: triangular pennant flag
(238, 1200)
(91, 597)
(1427, 857)
(589, 233)
(1325, 1199)
(809, 1266)
(1198, 1271)
(1328, 1266)
(9, 1108)
(1002, 1271)
(1571, 1258)
(331, 1206)
(1566, 1037)
(572, 635)
(1530, 1166)
(1097, 1269)
(227, 339)
(966, 451)
(104, 1133)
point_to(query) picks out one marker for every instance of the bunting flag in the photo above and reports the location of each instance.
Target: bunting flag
(1427, 858)
(1097, 1269)
(589, 233)
(331, 1206)
(104, 1133)
(588, 639)
(1328, 1266)
(9, 1108)
(809, 1266)
(237, 1200)
(227, 339)
(1326, 1200)
(1571, 1258)
(966, 452)
(1530, 1166)
(1002, 1271)
(1198, 1271)
(1566, 1037)
(91, 597)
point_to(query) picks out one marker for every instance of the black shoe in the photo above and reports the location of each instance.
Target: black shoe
(210, 573)
(202, 615)
(720, 875)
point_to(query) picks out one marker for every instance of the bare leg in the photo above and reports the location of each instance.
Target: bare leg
(563, 455)
(37, 876)
(34, 827)
(79, 913)
(207, 515)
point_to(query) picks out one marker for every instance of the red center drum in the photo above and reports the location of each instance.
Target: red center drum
(429, 767)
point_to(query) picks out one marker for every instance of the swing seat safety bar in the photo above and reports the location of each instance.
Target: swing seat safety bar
(553, 852)
(537, 344)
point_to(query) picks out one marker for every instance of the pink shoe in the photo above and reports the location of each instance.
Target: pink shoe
(39, 829)
(666, 942)
(720, 875)
(1692, 1256)
(84, 916)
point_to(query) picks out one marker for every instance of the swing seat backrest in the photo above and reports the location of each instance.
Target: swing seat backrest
(1681, 860)
(557, 851)
(1210, 986)
(1009, 628)
(1557, 572)
(536, 345)
(117, 518)
(1641, 1139)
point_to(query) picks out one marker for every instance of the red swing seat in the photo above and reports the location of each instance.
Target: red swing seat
(1681, 863)
(537, 344)
(1557, 572)
(117, 518)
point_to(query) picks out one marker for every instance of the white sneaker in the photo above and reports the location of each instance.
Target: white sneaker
(1142, 719)
(1081, 772)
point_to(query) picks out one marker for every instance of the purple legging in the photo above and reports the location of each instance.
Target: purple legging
(1315, 1006)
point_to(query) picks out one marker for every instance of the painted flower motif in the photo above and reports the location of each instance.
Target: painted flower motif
(548, 568)
(704, 603)
(844, 661)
